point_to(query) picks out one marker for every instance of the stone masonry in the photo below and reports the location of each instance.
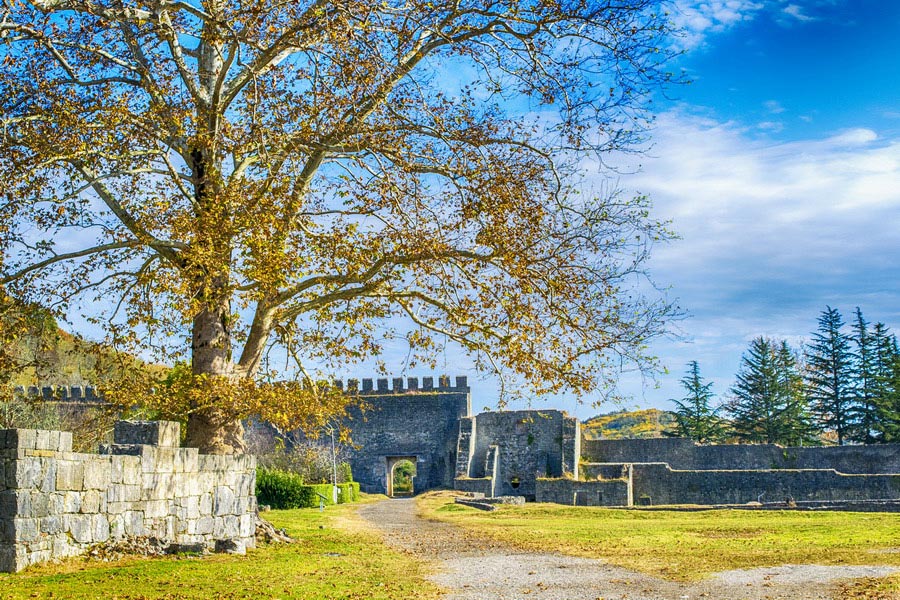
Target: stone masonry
(56, 503)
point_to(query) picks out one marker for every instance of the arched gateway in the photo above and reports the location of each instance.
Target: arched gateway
(407, 422)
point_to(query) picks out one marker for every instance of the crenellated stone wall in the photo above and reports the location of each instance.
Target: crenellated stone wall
(406, 421)
(56, 503)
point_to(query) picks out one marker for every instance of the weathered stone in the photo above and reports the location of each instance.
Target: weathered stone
(81, 528)
(155, 433)
(231, 546)
(224, 501)
(70, 476)
(26, 530)
(90, 501)
(100, 525)
(51, 525)
(96, 474)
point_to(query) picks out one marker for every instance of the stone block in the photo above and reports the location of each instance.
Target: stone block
(205, 525)
(8, 559)
(40, 504)
(26, 530)
(81, 528)
(27, 473)
(70, 475)
(90, 501)
(206, 504)
(117, 525)
(230, 546)
(22, 439)
(49, 467)
(134, 523)
(96, 474)
(42, 440)
(186, 460)
(52, 525)
(156, 509)
(154, 433)
(158, 486)
(100, 526)
(165, 460)
(71, 502)
(247, 525)
(223, 503)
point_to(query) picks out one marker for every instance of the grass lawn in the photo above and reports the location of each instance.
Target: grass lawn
(333, 558)
(686, 546)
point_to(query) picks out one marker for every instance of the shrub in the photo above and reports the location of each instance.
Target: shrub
(280, 489)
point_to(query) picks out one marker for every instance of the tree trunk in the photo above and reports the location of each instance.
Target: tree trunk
(213, 430)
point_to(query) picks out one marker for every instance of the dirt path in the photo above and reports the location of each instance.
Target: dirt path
(471, 568)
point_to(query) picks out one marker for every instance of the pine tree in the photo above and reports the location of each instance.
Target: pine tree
(887, 384)
(695, 417)
(865, 383)
(829, 376)
(768, 404)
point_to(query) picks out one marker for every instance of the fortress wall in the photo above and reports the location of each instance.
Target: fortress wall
(407, 420)
(614, 492)
(527, 444)
(683, 454)
(56, 503)
(664, 485)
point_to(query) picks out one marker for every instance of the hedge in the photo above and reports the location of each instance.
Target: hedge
(280, 489)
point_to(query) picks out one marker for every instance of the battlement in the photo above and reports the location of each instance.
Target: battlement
(60, 393)
(400, 386)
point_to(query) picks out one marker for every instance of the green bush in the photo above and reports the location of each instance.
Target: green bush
(280, 489)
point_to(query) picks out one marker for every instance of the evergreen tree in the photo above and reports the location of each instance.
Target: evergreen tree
(865, 381)
(768, 404)
(695, 417)
(887, 384)
(829, 377)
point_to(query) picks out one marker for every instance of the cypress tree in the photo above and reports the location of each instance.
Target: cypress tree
(887, 384)
(829, 377)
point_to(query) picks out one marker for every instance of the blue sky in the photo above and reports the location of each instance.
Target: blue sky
(780, 169)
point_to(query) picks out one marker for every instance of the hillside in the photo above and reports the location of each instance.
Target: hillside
(34, 350)
(647, 423)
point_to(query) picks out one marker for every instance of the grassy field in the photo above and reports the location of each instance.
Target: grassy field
(335, 558)
(685, 546)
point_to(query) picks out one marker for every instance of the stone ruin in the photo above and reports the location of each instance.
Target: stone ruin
(542, 455)
(56, 503)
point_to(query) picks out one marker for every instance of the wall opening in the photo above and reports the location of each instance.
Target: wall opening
(401, 474)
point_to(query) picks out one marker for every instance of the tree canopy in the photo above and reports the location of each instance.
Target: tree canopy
(226, 176)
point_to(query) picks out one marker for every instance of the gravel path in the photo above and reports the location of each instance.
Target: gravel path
(472, 568)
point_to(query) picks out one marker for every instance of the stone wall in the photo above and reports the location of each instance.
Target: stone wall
(683, 454)
(660, 484)
(420, 423)
(56, 503)
(514, 448)
(613, 492)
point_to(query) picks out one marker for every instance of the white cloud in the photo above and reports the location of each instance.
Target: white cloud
(771, 233)
(774, 107)
(698, 18)
(796, 12)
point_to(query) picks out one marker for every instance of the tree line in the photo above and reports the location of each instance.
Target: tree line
(841, 387)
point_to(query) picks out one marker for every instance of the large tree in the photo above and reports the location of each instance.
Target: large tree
(695, 416)
(229, 175)
(768, 404)
(829, 376)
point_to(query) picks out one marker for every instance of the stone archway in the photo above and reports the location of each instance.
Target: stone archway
(393, 462)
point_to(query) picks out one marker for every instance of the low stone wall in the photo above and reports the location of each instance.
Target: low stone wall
(56, 503)
(613, 492)
(660, 484)
(684, 454)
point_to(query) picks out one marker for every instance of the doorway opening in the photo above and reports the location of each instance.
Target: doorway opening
(401, 474)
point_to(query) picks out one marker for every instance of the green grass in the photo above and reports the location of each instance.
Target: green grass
(335, 558)
(685, 546)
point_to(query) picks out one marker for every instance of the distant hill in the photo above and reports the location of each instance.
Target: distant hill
(37, 352)
(647, 423)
